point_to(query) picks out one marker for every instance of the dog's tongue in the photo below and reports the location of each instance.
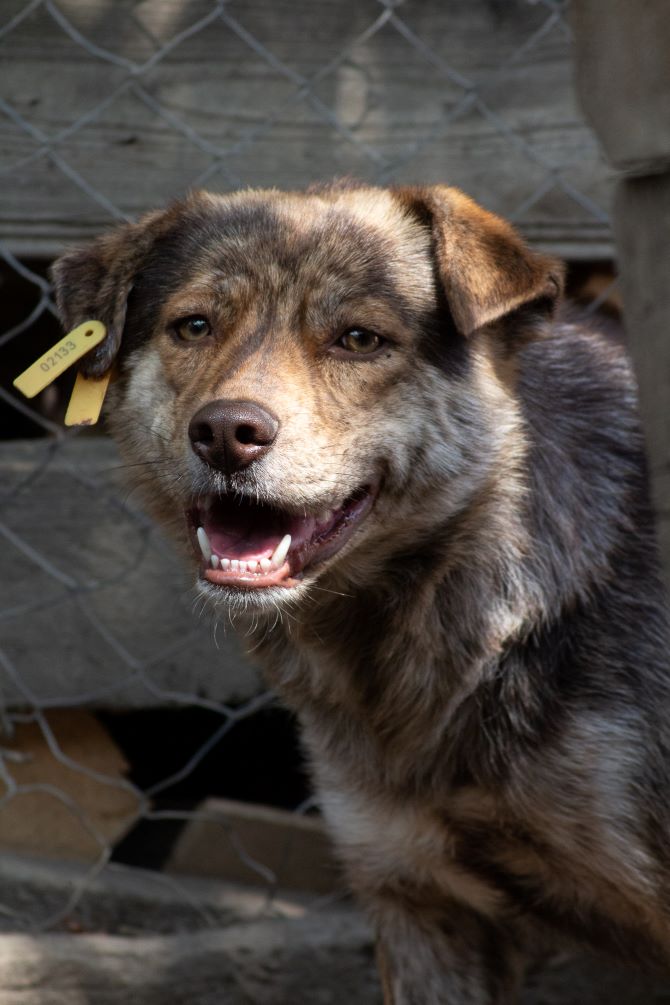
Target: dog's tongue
(244, 543)
(251, 532)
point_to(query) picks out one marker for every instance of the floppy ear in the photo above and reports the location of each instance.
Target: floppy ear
(486, 269)
(93, 283)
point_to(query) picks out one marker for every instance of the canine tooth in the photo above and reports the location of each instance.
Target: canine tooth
(281, 551)
(265, 564)
(215, 561)
(205, 546)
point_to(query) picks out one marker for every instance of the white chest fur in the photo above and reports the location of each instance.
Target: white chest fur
(384, 845)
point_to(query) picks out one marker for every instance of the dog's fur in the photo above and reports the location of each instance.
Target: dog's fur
(481, 671)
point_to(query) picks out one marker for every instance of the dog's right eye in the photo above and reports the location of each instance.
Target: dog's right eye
(360, 341)
(193, 328)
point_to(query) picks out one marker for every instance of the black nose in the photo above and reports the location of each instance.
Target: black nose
(229, 435)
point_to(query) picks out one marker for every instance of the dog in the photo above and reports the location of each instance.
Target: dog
(398, 461)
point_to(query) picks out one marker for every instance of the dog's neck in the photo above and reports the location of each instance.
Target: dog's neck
(395, 657)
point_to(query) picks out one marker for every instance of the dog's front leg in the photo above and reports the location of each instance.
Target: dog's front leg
(447, 957)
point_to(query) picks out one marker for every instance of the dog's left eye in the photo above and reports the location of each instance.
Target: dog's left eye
(359, 340)
(193, 328)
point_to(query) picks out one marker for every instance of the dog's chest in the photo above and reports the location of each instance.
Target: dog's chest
(388, 846)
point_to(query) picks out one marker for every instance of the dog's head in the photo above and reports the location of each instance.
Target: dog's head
(308, 377)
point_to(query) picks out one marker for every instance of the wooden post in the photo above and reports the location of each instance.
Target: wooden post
(623, 82)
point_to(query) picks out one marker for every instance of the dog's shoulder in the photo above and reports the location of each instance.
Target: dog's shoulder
(577, 371)
(586, 460)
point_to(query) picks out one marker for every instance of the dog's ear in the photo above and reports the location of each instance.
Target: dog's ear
(485, 268)
(93, 283)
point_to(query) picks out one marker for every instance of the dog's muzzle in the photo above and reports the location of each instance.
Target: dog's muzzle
(245, 541)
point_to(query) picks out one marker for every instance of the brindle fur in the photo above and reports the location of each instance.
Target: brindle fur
(481, 673)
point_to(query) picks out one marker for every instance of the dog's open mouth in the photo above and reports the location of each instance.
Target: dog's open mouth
(252, 545)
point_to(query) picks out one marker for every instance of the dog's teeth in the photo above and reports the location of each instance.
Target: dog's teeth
(265, 564)
(225, 564)
(325, 516)
(205, 546)
(252, 566)
(215, 561)
(234, 565)
(281, 551)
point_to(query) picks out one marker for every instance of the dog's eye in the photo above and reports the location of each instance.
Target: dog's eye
(193, 328)
(359, 340)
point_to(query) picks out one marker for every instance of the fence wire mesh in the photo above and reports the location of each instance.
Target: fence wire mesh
(110, 109)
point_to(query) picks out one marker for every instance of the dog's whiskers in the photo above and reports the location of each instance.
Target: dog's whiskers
(335, 593)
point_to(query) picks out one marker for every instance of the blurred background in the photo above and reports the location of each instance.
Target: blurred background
(152, 791)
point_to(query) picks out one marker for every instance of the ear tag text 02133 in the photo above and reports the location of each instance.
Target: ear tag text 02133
(60, 357)
(88, 393)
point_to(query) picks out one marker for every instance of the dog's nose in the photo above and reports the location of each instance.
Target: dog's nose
(229, 435)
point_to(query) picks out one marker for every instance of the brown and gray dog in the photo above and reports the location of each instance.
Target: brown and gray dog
(426, 497)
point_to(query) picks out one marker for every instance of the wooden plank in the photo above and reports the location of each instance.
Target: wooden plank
(623, 74)
(295, 849)
(93, 600)
(42, 819)
(392, 102)
(642, 225)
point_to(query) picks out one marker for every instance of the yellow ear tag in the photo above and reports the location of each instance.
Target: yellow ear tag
(56, 360)
(86, 401)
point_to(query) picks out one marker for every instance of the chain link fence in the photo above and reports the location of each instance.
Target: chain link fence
(111, 109)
